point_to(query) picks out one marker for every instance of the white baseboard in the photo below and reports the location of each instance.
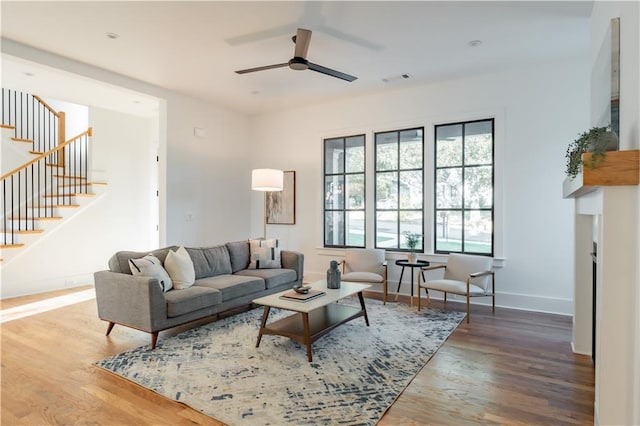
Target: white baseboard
(523, 302)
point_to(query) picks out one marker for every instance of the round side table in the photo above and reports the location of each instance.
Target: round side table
(406, 264)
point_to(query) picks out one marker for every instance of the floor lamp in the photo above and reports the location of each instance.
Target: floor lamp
(266, 180)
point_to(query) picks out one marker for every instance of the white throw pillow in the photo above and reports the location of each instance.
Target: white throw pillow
(265, 254)
(150, 266)
(180, 268)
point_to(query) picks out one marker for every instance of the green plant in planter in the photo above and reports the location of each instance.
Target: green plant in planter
(412, 239)
(596, 140)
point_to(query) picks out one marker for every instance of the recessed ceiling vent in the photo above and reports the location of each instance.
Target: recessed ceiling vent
(396, 78)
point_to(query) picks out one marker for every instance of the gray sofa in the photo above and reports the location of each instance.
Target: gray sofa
(223, 282)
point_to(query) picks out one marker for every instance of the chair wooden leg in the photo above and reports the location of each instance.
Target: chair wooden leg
(154, 339)
(445, 297)
(110, 327)
(419, 298)
(468, 310)
(384, 292)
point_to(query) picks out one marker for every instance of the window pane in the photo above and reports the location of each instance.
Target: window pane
(478, 143)
(478, 189)
(355, 191)
(387, 229)
(411, 149)
(355, 154)
(355, 229)
(334, 156)
(334, 192)
(449, 188)
(449, 145)
(411, 190)
(333, 228)
(387, 151)
(477, 231)
(411, 222)
(448, 231)
(387, 190)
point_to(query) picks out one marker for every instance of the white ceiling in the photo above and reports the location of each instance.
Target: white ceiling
(195, 47)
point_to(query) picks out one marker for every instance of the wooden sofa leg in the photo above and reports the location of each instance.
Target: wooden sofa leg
(110, 327)
(154, 339)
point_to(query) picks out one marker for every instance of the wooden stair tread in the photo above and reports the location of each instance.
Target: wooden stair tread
(36, 218)
(69, 177)
(73, 194)
(22, 140)
(36, 152)
(68, 185)
(48, 206)
(23, 231)
(53, 165)
(7, 126)
(10, 246)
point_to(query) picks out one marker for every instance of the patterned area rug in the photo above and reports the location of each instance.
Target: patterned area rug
(356, 374)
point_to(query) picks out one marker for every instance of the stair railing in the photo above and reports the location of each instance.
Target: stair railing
(33, 121)
(32, 191)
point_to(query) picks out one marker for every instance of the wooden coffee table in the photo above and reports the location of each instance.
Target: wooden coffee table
(313, 318)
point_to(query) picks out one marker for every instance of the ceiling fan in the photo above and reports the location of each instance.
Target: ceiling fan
(299, 61)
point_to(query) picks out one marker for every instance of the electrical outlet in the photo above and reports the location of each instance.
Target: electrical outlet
(188, 217)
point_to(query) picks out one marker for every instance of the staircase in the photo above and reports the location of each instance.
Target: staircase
(45, 177)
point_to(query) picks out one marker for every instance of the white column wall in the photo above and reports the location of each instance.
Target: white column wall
(618, 340)
(538, 112)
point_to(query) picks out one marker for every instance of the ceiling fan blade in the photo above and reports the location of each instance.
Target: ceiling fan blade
(266, 67)
(332, 73)
(303, 37)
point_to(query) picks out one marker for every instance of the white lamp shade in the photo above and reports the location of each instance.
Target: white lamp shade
(267, 180)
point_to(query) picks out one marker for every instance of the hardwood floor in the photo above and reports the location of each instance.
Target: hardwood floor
(513, 368)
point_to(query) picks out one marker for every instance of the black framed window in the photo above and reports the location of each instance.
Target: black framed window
(399, 182)
(344, 192)
(464, 187)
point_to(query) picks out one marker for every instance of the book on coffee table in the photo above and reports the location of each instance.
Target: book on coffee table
(299, 297)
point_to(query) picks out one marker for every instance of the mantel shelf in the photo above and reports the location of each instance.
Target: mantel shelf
(618, 168)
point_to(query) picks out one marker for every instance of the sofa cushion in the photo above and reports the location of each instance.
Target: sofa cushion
(232, 286)
(239, 254)
(180, 268)
(180, 302)
(210, 261)
(265, 254)
(272, 277)
(150, 266)
(119, 262)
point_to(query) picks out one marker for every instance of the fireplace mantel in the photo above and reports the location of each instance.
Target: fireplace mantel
(618, 168)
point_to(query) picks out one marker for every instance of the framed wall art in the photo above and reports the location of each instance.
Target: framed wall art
(281, 205)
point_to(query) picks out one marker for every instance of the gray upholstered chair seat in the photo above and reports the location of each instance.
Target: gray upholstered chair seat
(191, 299)
(462, 271)
(367, 277)
(366, 266)
(455, 287)
(272, 277)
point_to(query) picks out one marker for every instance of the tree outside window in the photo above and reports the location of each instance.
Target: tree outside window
(464, 187)
(344, 192)
(399, 163)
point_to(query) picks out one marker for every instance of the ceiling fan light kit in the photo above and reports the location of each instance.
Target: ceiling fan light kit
(299, 61)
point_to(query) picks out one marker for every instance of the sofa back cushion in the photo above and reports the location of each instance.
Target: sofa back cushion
(210, 261)
(239, 253)
(119, 262)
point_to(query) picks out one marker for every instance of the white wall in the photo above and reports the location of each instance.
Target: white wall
(208, 178)
(618, 340)
(538, 112)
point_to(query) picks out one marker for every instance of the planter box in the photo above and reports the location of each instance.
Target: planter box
(618, 168)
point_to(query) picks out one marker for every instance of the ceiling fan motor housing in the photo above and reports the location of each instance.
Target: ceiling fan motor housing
(299, 64)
